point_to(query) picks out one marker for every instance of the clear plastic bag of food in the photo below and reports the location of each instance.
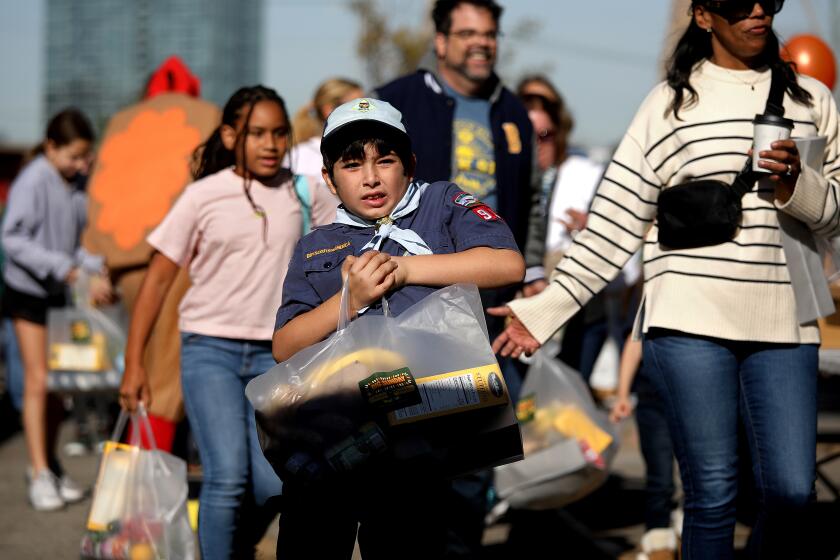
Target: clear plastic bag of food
(82, 338)
(568, 441)
(419, 394)
(139, 507)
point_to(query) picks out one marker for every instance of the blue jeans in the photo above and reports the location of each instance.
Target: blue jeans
(14, 367)
(214, 372)
(710, 385)
(657, 451)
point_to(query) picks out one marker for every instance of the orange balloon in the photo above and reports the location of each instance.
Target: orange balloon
(812, 57)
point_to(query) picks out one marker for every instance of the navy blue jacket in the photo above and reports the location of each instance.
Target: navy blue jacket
(448, 219)
(428, 114)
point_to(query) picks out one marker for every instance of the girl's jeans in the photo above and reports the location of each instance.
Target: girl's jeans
(214, 372)
(710, 385)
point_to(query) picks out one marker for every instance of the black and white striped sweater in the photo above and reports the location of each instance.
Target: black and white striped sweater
(739, 290)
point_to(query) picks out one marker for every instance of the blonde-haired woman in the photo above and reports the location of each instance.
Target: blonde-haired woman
(308, 123)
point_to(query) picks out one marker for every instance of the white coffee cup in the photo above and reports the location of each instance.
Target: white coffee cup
(766, 130)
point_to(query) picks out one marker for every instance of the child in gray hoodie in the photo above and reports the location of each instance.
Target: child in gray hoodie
(42, 227)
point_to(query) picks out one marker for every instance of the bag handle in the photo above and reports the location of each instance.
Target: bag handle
(744, 181)
(140, 420)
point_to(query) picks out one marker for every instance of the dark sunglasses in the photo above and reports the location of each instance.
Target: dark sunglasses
(742, 9)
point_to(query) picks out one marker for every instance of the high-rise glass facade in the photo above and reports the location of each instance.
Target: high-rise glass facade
(100, 53)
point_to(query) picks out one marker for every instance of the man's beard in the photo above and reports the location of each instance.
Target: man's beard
(479, 76)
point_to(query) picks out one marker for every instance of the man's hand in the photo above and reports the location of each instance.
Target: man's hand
(369, 277)
(516, 338)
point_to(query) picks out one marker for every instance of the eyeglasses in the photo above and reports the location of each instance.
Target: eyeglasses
(545, 135)
(742, 9)
(469, 34)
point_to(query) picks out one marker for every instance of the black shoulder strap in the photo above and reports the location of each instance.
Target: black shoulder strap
(775, 101)
(743, 183)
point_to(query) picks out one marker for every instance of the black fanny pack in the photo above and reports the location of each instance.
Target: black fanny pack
(702, 213)
(708, 212)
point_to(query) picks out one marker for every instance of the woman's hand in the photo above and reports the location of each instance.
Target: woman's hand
(134, 387)
(783, 161)
(369, 277)
(621, 408)
(516, 338)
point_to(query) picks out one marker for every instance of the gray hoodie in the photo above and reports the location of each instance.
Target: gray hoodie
(42, 227)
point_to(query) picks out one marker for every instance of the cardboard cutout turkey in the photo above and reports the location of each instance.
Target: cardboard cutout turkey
(143, 164)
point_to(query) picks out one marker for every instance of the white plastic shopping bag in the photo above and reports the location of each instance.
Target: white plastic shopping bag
(139, 508)
(85, 347)
(568, 442)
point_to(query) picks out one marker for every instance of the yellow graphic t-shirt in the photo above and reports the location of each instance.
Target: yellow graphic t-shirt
(475, 166)
(473, 157)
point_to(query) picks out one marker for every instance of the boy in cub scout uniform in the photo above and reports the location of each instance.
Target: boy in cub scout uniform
(394, 236)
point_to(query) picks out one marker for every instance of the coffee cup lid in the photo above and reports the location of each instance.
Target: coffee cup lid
(774, 120)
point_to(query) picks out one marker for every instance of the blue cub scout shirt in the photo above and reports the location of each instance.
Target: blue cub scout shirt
(448, 219)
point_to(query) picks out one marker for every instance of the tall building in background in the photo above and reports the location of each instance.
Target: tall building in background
(100, 53)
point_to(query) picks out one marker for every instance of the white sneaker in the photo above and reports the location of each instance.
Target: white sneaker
(677, 517)
(43, 491)
(76, 449)
(658, 544)
(69, 490)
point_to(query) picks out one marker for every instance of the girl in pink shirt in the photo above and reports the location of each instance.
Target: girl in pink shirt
(234, 229)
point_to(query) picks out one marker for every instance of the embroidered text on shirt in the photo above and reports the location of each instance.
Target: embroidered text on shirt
(338, 247)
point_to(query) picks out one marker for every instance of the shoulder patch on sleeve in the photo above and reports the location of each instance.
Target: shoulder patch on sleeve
(514, 140)
(466, 200)
(485, 213)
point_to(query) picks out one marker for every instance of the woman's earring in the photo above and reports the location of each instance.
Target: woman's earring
(708, 30)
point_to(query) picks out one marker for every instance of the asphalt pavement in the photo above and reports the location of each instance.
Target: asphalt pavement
(606, 525)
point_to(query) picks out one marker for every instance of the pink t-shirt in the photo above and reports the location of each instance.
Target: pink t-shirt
(237, 277)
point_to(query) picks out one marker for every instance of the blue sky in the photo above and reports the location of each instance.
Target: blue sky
(602, 54)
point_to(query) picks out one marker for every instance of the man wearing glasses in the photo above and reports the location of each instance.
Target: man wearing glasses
(465, 126)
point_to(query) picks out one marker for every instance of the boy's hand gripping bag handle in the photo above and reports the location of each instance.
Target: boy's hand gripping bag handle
(343, 306)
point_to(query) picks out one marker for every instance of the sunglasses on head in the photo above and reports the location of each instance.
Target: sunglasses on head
(742, 9)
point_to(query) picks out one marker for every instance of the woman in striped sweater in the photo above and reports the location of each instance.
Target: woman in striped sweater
(721, 335)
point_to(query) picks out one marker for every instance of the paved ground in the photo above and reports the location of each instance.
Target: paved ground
(601, 527)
